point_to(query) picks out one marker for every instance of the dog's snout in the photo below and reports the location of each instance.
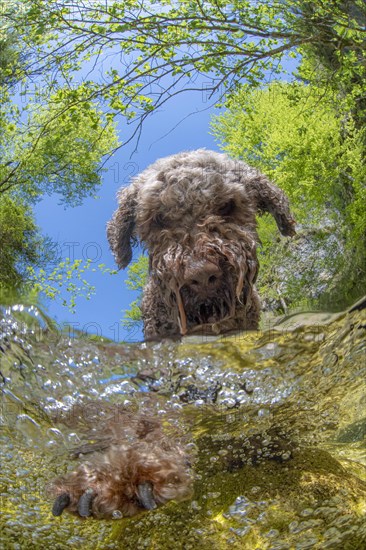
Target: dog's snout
(203, 276)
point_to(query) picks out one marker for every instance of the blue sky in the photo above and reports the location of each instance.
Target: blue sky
(183, 124)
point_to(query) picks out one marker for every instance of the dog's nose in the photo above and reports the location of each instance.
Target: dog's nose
(202, 276)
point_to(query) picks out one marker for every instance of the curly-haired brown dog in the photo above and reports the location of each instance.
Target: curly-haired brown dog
(195, 213)
(134, 466)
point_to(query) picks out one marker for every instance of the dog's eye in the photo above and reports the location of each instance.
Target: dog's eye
(227, 208)
(160, 221)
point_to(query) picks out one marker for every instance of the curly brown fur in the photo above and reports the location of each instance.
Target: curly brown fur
(196, 214)
(141, 468)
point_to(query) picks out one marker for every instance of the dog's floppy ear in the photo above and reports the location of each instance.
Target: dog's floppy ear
(121, 227)
(270, 198)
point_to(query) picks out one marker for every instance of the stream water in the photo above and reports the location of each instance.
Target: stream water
(275, 422)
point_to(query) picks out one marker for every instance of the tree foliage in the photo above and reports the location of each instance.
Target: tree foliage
(137, 278)
(49, 144)
(69, 275)
(53, 147)
(307, 141)
(141, 53)
(21, 244)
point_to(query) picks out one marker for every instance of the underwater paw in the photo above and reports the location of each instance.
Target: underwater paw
(106, 501)
(139, 470)
(84, 504)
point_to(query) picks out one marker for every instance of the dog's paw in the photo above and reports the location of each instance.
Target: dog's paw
(123, 483)
(84, 504)
(100, 499)
(101, 493)
(132, 467)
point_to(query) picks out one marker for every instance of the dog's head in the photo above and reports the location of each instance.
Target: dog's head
(195, 213)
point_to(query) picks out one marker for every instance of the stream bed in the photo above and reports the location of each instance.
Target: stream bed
(275, 421)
